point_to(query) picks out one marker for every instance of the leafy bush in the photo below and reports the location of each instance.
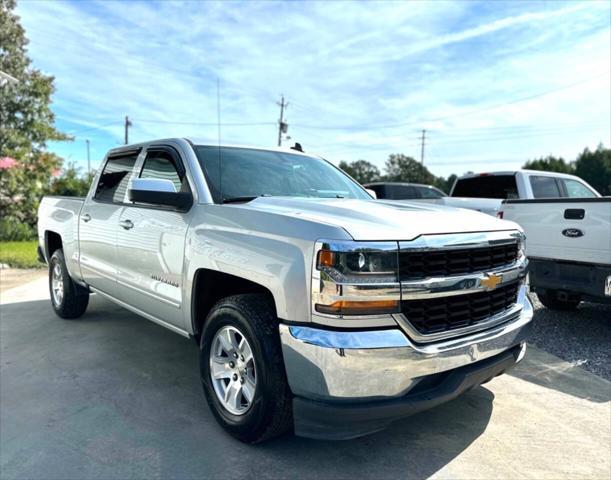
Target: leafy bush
(12, 229)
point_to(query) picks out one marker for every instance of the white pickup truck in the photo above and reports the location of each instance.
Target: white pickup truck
(314, 306)
(569, 248)
(485, 192)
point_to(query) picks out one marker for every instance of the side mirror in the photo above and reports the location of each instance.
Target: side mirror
(372, 193)
(157, 191)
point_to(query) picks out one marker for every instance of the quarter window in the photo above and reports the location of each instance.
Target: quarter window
(114, 179)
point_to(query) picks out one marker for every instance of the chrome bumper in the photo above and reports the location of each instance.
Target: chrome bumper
(382, 364)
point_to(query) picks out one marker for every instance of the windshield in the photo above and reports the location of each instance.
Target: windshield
(240, 173)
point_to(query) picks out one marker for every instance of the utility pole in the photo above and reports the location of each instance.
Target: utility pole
(282, 127)
(88, 158)
(422, 139)
(127, 125)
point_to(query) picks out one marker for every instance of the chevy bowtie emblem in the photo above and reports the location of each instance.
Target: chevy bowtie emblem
(491, 281)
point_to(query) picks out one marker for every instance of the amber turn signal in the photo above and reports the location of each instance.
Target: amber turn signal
(368, 307)
(325, 259)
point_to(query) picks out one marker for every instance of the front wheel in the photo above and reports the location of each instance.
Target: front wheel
(69, 299)
(242, 370)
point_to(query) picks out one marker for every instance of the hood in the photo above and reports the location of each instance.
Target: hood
(380, 220)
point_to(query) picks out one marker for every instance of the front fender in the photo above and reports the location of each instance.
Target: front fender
(274, 251)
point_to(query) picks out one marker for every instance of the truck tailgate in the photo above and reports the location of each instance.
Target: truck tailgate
(576, 230)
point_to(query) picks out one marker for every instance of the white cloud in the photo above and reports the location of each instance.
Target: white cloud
(339, 64)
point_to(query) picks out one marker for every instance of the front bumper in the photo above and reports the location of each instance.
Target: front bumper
(368, 371)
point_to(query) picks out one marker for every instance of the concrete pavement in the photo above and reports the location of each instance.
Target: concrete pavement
(115, 396)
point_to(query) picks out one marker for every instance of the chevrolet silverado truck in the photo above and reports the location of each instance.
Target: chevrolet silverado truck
(569, 248)
(485, 192)
(316, 308)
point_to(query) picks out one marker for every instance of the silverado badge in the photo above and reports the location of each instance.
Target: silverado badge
(491, 281)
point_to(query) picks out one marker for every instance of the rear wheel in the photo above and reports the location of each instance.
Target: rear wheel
(556, 300)
(69, 299)
(242, 369)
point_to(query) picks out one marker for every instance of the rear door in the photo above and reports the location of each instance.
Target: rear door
(99, 220)
(151, 244)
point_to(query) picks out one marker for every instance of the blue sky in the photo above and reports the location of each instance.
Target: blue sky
(493, 83)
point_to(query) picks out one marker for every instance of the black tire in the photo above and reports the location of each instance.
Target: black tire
(270, 414)
(549, 298)
(75, 298)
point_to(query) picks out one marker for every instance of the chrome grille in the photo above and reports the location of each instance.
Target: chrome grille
(453, 312)
(419, 264)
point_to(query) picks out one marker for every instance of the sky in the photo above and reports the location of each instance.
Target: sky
(492, 83)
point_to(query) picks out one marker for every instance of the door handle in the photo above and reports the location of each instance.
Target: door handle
(126, 224)
(86, 217)
(574, 213)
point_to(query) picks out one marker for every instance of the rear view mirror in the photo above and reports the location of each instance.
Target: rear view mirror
(157, 191)
(372, 193)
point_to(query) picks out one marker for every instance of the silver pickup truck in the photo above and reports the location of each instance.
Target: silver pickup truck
(315, 307)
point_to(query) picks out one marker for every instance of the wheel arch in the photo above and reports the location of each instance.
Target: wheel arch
(210, 286)
(53, 241)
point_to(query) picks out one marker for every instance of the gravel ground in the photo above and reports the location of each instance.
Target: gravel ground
(582, 337)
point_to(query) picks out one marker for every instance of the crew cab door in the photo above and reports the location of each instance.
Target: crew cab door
(99, 220)
(151, 244)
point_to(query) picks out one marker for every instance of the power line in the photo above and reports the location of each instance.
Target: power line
(207, 124)
(97, 127)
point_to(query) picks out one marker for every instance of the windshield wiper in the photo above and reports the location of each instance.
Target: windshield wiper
(238, 199)
(243, 199)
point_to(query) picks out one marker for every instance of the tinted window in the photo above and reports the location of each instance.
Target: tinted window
(402, 192)
(487, 186)
(575, 189)
(114, 179)
(426, 192)
(163, 166)
(544, 187)
(242, 172)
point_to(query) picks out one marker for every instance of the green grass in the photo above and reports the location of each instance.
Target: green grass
(20, 254)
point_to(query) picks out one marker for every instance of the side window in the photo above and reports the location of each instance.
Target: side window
(575, 189)
(114, 179)
(403, 192)
(162, 165)
(544, 187)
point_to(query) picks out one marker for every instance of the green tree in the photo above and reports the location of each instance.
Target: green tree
(446, 184)
(71, 183)
(595, 168)
(26, 125)
(401, 168)
(550, 164)
(361, 170)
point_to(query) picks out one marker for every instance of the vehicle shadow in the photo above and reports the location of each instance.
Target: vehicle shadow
(112, 395)
(569, 351)
(549, 371)
(415, 447)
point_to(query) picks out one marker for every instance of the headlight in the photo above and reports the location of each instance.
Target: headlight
(356, 278)
(522, 245)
